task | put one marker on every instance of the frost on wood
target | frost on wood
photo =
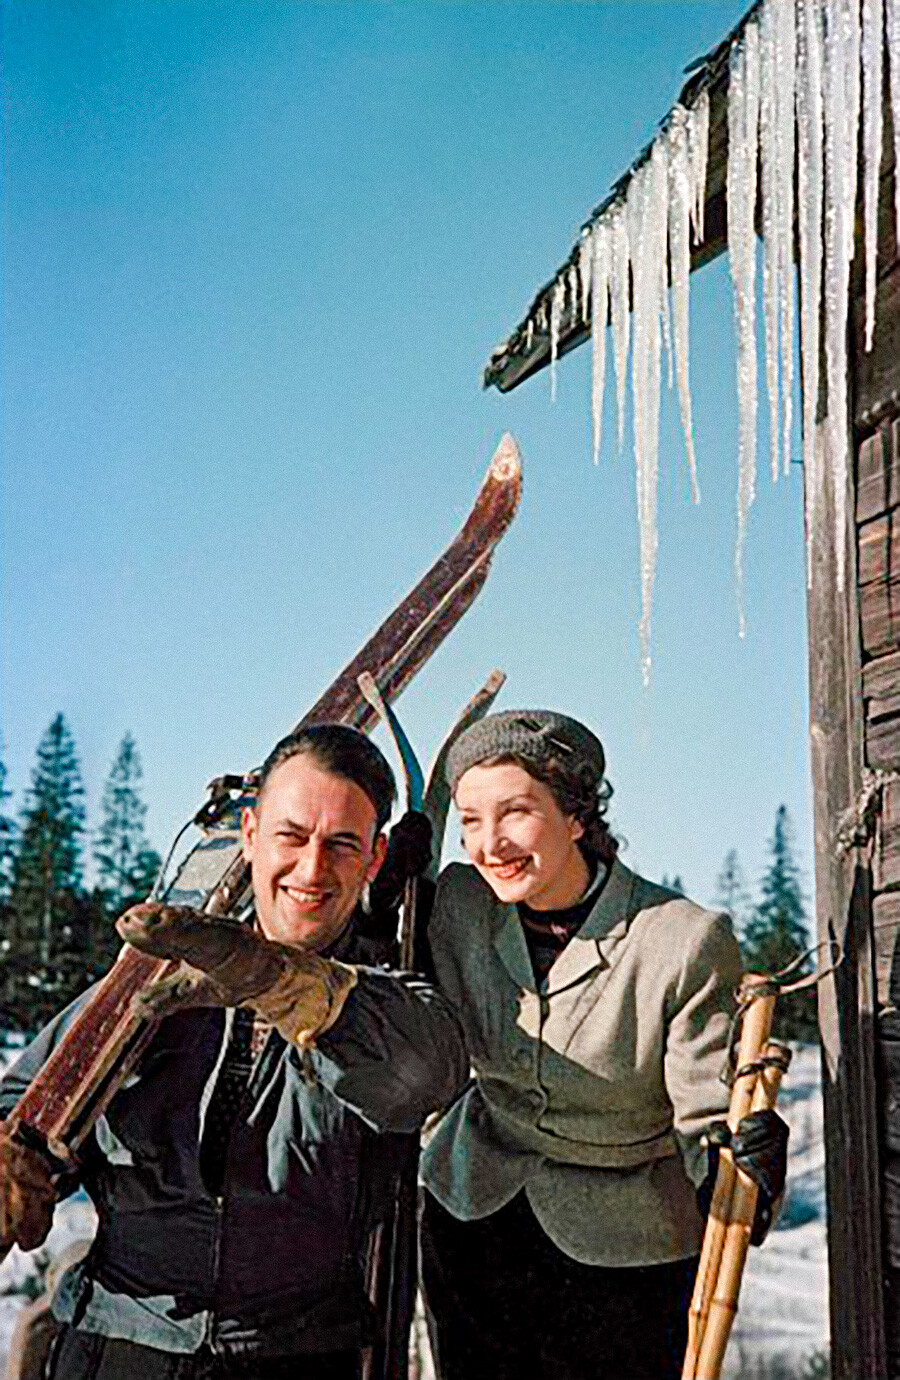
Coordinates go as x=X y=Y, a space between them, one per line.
x=599 y=312
x=743 y=142
x=810 y=183
x=872 y=60
x=682 y=204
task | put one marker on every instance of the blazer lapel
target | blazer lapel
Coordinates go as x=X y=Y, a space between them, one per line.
x=590 y=949
x=509 y=941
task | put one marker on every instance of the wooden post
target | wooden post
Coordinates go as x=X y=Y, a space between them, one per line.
x=847 y=998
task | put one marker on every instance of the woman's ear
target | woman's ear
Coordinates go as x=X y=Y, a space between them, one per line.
x=576 y=828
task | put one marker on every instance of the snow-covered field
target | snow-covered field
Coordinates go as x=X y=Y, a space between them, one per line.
x=782 y=1320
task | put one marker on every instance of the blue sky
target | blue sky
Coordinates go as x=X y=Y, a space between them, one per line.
x=256 y=257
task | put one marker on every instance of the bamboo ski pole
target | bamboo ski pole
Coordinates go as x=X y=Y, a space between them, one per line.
x=723 y=1306
x=755 y=1028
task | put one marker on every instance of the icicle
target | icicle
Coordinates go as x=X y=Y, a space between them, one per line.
x=557 y=303
x=584 y=269
x=785 y=87
x=698 y=152
x=574 y=294
x=809 y=217
x=743 y=139
x=892 y=11
x=599 y=312
x=872 y=59
x=619 y=258
x=647 y=233
x=681 y=208
x=841 y=105
x=768 y=135
x=529 y=333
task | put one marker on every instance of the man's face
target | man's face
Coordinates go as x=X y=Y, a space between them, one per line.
x=311 y=845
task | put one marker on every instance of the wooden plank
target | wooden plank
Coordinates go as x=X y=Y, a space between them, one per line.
x=886 y=855
x=878 y=544
x=878 y=470
x=883 y=742
x=886 y=928
x=881 y=677
x=879 y=610
x=847 y=997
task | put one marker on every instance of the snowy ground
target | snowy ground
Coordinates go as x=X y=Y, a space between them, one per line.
x=782 y=1320
x=783 y=1307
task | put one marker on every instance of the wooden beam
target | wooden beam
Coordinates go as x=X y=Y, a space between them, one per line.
x=517 y=359
x=847 y=997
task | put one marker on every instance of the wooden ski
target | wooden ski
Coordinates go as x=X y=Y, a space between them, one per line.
x=103 y=1043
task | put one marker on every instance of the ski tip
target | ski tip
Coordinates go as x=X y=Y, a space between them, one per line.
x=506 y=465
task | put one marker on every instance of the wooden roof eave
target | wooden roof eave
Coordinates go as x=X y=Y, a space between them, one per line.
x=518 y=358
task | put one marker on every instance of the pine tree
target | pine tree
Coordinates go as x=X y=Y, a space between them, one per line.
x=732 y=895
x=126 y=865
x=7 y=839
x=47 y=934
x=673 y=884
x=776 y=933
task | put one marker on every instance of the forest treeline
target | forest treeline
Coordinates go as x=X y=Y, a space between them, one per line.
x=57 y=934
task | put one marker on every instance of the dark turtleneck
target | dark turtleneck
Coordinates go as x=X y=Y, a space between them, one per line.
x=547 y=932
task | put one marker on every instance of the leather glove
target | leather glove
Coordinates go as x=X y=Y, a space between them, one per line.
x=225 y=963
x=408 y=855
x=759 y=1146
x=27 y=1195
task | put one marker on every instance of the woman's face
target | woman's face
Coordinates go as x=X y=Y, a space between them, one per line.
x=519 y=839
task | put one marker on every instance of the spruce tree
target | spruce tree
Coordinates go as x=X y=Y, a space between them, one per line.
x=776 y=933
x=126 y=864
x=7 y=840
x=731 y=891
x=47 y=934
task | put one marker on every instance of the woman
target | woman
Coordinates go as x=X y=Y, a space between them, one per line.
x=561 y=1226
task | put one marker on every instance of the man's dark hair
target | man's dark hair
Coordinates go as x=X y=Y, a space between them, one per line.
x=344 y=752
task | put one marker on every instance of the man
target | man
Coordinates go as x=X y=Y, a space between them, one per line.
x=238 y=1175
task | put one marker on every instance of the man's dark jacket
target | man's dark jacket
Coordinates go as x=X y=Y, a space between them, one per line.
x=273 y=1266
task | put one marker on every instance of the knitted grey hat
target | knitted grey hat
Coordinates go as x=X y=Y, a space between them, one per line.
x=538 y=735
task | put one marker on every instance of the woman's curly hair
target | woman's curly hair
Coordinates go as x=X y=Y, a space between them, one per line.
x=577 y=791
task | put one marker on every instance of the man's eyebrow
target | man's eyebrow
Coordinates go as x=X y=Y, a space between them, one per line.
x=339 y=834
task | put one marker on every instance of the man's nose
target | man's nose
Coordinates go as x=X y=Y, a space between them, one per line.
x=312 y=861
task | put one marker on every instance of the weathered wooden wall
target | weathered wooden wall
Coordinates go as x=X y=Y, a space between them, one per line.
x=875 y=395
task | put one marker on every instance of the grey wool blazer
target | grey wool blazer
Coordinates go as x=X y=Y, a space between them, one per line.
x=593 y=1094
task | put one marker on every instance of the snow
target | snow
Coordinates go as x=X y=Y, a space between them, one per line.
x=783 y=1305
x=743 y=144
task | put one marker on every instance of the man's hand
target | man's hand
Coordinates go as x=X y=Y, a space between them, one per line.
x=27 y=1195
x=225 y=963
